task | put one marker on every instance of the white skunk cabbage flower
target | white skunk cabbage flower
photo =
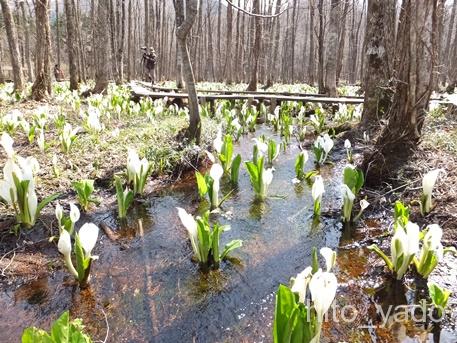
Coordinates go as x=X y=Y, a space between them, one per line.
x=59 y=213
x=5 y=194
x=191 y=226
x=216 y=173
x=329 y=256
x=364 y=204
x=276 y=111
x=404 y=246
x=267 y=178
x=217 y=143
x=323 y=287
x=428 y=183
x=236 y=124
x=314 y=120
x=263 y=147
x=32 y=202
x=74 y=213
x=29 y=166
x=93 y=119
x=432 y=250
x=133 y=164
x=300 y=283
x=348 y=202
x=7 y=143
x=115 y=133
x=432 y=240
x=88 y=235
x=41 y=141
x=64 y=246
x=327 y=143
x=347 y=193
x=318 y=188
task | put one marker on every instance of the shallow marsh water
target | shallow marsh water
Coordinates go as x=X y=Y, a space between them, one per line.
x=151 y=290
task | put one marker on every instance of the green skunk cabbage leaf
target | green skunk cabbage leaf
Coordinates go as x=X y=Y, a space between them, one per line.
x=63 y=331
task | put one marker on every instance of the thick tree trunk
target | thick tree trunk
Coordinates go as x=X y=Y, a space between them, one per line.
x=183 y=27
x=376 y=83
x=71 y=43
x=102 y=49
x=332 y=53
x=416 y=48
x=11 y=33
x=42 y=86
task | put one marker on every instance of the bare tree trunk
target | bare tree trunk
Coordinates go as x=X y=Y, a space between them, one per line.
x=102 y=49
x=447 y=50
x=416 y=47
x=342 y=41
x=2 y=75
x=81 y=49
x=183 y=27
x=146 y=23
x=332 y=54
x=320 y=68
x=28 y=59
x=11 y=33
x=255 y=49
x=441 y=54
x=275 y=33
x=293 y=40
x=453 y=67
x=120 y=48
x=210 y=43
x=129 y=42
x=228 y=46
x=42 y=86
x=71 y=43
x=112 y=37
x=376 y=84
x=311 y=61
x=57 y=33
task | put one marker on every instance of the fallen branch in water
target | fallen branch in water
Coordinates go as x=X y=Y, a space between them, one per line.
x=109 y=232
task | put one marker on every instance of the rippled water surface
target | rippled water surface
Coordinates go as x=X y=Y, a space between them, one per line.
x=151 y=290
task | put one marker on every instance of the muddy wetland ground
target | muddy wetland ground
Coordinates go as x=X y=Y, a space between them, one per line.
x=147 y=286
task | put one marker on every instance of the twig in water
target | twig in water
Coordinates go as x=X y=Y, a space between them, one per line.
x=107 y=326
x=9 y=264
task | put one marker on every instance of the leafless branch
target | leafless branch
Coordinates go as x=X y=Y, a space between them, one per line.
x=258 y=15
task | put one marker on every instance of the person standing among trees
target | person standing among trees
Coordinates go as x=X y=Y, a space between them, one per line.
x=149 y=61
